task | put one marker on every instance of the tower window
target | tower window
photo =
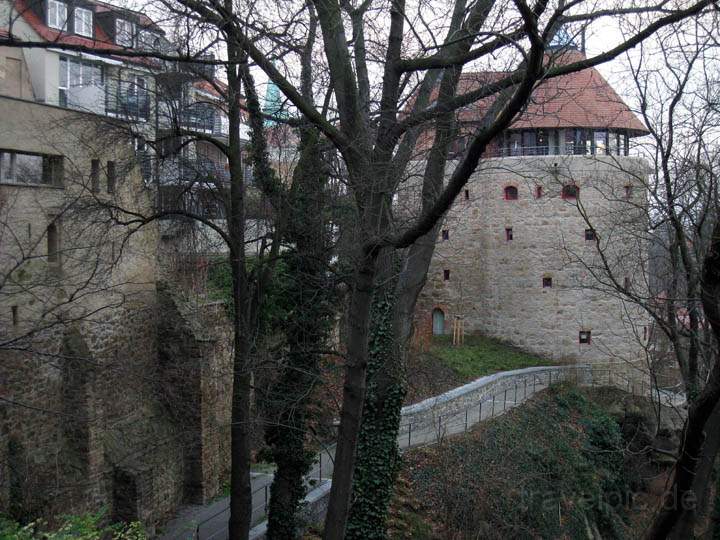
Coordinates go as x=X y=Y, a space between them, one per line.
x=628 y=191
x=467 y=194
x=53 y=244
x=627 y=283
x=111 y=177
x=508 y=234
x=445 y=234
x=95 y=175
x=590 y=235
x=570 y=192
x=547 y=282
x=511 y=193
x=584 y=336
x=14 y=310
x=538 y=192
x=446 y=274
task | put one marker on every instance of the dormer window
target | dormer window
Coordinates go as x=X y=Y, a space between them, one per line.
x=124 y=31
x=57 y=14
x=83 y=22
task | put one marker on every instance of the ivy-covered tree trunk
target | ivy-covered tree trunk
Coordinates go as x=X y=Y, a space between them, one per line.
x=378 y=459
x=306 y=330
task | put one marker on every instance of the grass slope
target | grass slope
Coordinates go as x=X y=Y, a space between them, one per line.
x=556 y=467
x=481 y=355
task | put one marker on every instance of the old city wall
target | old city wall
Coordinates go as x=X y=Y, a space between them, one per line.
x=88 y=417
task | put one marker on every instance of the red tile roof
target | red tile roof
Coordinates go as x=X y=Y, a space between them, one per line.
x=583 y=99
x=101 y=42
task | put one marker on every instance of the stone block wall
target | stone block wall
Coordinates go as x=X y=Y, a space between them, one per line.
x=496 y=285
x=89 y=416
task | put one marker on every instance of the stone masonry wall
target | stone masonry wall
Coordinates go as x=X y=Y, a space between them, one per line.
x=88 y=414
x=496 y=285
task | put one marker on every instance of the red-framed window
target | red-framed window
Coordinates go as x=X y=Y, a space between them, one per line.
x=511 y=193
x=570 y=192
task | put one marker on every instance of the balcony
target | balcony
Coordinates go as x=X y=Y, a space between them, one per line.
x=133 y=106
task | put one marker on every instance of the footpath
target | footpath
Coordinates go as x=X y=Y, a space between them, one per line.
x=427 y=422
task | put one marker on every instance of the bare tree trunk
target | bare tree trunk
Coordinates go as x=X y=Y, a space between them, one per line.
x=353 y=397
x=681 y=496
x=241 y=421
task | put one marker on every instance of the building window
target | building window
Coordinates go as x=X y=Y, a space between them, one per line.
x=600 y=142
x=53 y=244
x=538 y=192
x=626 y=283
x=467 y=194
x=584 y=336
x=77 y=74
x=445 y=234
x=628 y=191
x=570 y=192
x=590 y=235
x=124 y=31
x=14 y=310
x=547 y=282
x=511 y=193
x=111 y=179
x=83 y=22
x=95 y=175
x=57 y=14
x=446 y=275
x=21 y=168
x=508 y=234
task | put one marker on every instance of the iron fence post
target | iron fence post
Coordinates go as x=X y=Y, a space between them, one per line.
x=515 y=392
x=480 y=412
x=409 y=434
x=466 y=419
x=492 y=412
x=505 y=400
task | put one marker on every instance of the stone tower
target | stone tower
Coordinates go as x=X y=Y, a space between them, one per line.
x=553 y=214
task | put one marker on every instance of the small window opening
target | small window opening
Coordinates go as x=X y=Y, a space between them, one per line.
x=627 y=283
x=590 y=235
x=645 y=332
x=445 y=234
x=14 y=310
x=584 y=336
x=508 y=234
x=95 y=175
x=446 y=274
x=53 y=251
x=570 y=192
x=29 y=229
x=538 y=192
x=547 y=282
x=111 y=177
x=628 y=191
x=511 y=193
x=467 y=194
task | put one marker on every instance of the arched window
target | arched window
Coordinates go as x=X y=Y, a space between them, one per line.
x=438 y=322
x=570 y=192
x=511 y=193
